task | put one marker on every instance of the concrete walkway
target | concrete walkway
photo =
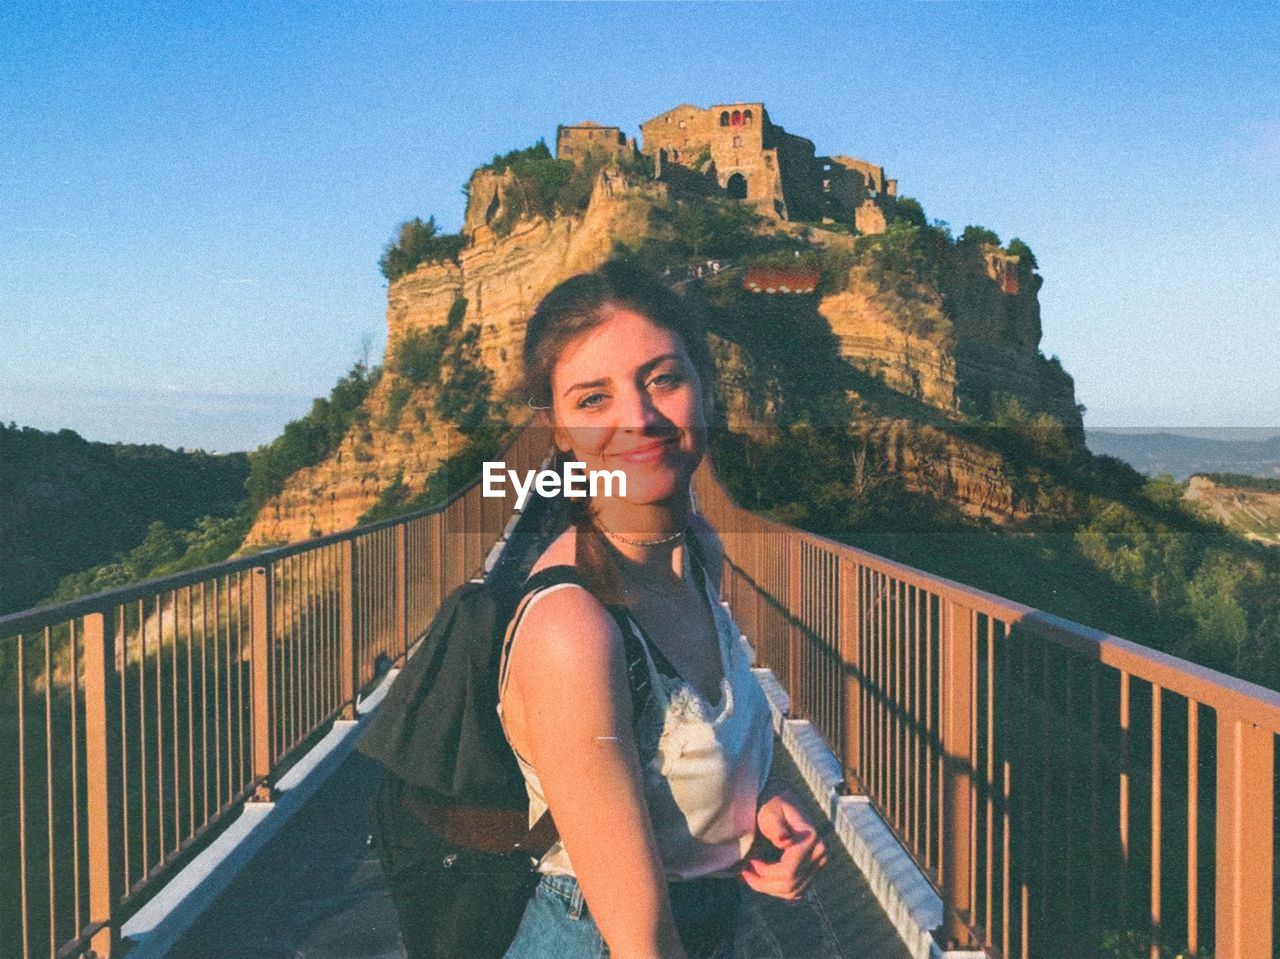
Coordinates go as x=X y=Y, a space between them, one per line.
x=316 y=892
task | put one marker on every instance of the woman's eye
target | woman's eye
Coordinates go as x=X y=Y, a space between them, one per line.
x=666 y=380
x=592 y=400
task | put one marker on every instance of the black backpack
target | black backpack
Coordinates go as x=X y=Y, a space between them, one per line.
x=450 y=818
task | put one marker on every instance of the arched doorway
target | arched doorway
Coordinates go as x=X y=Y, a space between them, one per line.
x=737 y=187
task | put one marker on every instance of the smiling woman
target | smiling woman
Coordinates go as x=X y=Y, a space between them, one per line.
x=625 y=694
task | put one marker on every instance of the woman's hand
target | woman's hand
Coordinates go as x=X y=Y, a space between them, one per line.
x=781 y=824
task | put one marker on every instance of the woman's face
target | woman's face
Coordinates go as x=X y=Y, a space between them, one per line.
x=625 y=396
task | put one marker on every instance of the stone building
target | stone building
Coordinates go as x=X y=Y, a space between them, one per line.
x=575 y=142
x=751 y=158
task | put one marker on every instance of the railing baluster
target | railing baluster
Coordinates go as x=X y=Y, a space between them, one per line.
x=262 y=586
x=1245 y=839
x=347 y=650
x=851 y=665
x=1193 y=826
x=104 y=890
x=1156 y=811
x=48 y=787
x=959 y=668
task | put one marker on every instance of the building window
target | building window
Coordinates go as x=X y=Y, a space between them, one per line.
x=724 y=118
x=737 y=187
x=737 y=141
x=568 y=149
x=746 y=117
x=681 y=124
x=736 y=118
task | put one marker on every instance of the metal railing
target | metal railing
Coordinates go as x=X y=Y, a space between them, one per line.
x=1068 y=793
x=136 y=721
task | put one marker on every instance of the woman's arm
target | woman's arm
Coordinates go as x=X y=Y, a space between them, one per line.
x=569 y=674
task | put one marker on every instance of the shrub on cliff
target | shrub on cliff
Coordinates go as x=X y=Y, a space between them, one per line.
x=543 y=186
x=1026 y=259
x=307 y=441
x=417 y=355
x=416 y=243
x=448 y=358
x=905 y=209
x=978 y=236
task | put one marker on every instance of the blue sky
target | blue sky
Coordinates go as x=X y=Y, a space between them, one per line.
x=193 y=197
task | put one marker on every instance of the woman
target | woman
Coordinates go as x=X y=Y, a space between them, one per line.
x=657 y=812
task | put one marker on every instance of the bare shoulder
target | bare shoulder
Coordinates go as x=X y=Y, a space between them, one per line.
x=565 y=639
x=712 y=548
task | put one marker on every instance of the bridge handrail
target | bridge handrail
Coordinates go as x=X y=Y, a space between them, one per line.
x=974 y=723
x=144 y=716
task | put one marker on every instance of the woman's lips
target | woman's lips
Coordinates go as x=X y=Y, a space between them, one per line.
x=648 y=453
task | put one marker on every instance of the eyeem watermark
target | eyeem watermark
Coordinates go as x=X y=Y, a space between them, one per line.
x=574 y=479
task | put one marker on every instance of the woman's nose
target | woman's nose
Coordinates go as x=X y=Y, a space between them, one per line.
x=637 y=411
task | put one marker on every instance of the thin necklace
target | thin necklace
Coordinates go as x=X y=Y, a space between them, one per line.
x=640 y=542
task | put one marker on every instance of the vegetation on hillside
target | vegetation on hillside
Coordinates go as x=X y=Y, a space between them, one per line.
x=1104 y=546
x=307 y=441
x=444 y=363
x=70 y=504
x=542 y=186
x=1243 y=481
x=417 y=242
x=164 y=551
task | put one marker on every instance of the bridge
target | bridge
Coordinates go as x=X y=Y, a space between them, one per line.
x=993 y=780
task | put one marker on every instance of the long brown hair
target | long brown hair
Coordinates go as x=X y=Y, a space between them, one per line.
x=571 y=309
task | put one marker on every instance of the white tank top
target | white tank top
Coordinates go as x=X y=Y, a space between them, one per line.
x=703 y=766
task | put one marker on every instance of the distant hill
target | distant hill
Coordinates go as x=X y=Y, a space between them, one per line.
x=68 y=504
x=1183 y=456
x=1244 y=504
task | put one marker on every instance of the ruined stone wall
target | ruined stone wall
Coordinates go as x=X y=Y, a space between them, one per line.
x=855 y=191
x=801 y=176
x=756 y=160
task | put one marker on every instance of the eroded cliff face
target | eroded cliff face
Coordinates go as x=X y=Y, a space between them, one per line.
x=501 y=278
x=1253 y=513
x=874 y=339
x=947 y=362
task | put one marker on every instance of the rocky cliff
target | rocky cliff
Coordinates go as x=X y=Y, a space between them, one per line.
x=945 y=360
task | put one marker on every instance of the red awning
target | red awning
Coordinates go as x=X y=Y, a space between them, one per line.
x=781 y=279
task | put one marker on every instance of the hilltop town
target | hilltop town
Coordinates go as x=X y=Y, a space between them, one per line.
x=948 y=328
x=750 y=157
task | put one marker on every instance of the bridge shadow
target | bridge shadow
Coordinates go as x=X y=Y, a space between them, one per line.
x=316 y=891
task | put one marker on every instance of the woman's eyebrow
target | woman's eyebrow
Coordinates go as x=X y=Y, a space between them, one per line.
x=657 y=361
x=589 y=385
x=643 y=370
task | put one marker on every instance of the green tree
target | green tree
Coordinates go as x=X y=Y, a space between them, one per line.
x=1026 y=259
x=417 y=242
